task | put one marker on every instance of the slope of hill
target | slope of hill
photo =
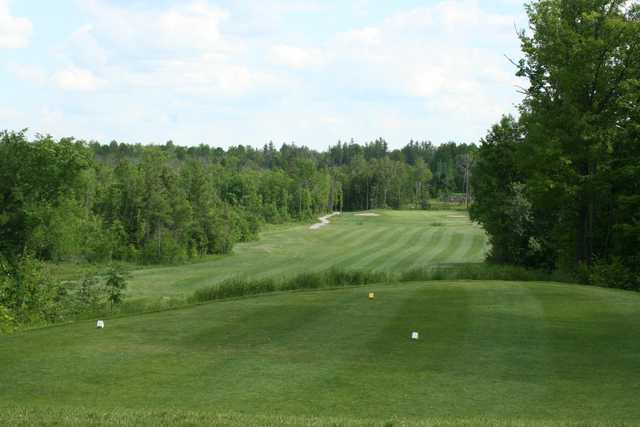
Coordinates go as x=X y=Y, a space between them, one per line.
x=489 y=352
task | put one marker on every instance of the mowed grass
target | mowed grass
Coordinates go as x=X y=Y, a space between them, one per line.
x=394 y=241
x=490 y=353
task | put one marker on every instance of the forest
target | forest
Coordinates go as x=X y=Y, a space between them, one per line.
x=558 y=187
x=68 y=200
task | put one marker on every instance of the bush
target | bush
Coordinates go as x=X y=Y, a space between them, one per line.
x=89 y=297
x=7 y=322
x=29 y=293
x=613 y=274
x=115 y=286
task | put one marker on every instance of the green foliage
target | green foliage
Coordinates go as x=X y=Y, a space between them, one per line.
x=613 y=274
x=30 y=294
x=557 y=189
x=67 y=200
x=116 y=285
x=34 y=177
x=91 y=295
x=7 y=322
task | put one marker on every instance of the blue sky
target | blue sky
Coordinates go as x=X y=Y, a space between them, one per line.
x=232 y=72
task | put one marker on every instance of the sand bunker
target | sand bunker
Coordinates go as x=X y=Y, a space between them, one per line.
x=367 y=214
x=324 y=220
x=458 y=216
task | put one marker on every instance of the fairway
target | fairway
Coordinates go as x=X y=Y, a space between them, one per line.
x=394 y=241
x=502 y=350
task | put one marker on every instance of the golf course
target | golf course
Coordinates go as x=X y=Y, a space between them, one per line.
x=320 y=213
x=385 y=240
x=489 y=352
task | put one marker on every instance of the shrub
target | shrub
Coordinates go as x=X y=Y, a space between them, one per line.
x=115 y=285
x=613 y=274
x=7 y=322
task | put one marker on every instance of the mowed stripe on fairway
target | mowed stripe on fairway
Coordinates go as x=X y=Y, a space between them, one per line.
x=437 y=245
x=410 y=257
x=417 y=242
x=476 y=252
x=461 y=248
x=392 y=241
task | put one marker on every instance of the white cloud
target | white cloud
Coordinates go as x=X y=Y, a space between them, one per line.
x=15 y=32
x=180 y=48
x=84 y=48
x=201 y=75
x=450 y=54
x=192 y=26
x=77 y=79
x=187 y=69
x=296 y=57
x=361 y=36
x=28 y=72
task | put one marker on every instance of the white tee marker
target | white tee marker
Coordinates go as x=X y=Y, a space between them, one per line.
x=100 y=324
x=415 y=335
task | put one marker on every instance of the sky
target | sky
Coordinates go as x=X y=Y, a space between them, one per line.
x=230 y=72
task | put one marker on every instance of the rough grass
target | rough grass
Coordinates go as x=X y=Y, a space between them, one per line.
x=240 y=287
x=491 y=353
x=481 y=272
x=335 y=278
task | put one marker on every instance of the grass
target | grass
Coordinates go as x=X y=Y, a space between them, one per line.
x=491 y=353
x=395 y=241
x=85 y=417
x=334 y=278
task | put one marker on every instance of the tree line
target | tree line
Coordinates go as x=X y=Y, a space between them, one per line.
x=85 y=202
x=72 y=200
x=559 y=187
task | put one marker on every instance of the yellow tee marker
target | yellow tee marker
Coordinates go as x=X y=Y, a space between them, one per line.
x=372 y=295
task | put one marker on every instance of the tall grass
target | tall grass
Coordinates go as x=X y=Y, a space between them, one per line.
x=482 y=272
x=239 y=287
x=334 y=278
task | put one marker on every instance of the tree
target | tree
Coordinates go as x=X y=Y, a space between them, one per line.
x=421 y=179
x=116 y=286
x=580 y=58
x=33 y=174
